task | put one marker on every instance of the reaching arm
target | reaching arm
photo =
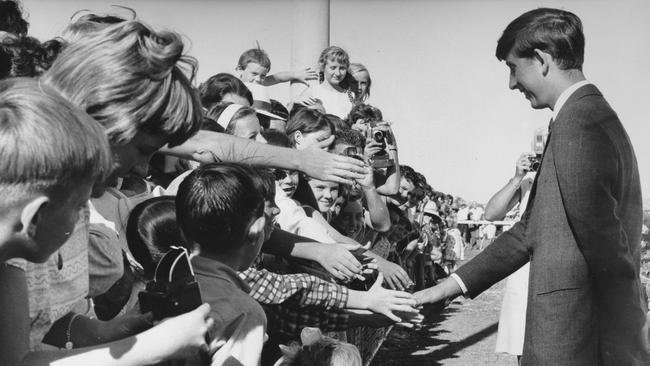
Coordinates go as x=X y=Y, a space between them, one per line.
x=208 y=147
x=508 y=196
x=301 y=76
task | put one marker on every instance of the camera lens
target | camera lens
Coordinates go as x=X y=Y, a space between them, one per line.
x=534 y=166
x=378 y=136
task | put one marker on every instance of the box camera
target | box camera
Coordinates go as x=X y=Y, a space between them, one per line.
x=380 y=159
x=535 y=162
x=174 y=290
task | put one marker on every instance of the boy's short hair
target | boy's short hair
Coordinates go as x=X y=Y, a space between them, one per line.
x=215 y=205
x=255 y=55
x=276 y=138
x=131 y=78
x=47 y=144
x=11 y=18
x=557 y=32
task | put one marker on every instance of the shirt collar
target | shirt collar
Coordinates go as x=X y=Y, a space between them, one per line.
x=565 y=95
x=213 y=268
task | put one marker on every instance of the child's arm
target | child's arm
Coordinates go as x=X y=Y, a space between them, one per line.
x=377 y=216
x=179 y=334
x=273 y=288
x=301 y=76
x=336 y=259
x=208 y=147
x=383 y=301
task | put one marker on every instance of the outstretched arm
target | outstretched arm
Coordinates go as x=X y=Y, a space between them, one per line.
x=208 y=147
x=301 y=76
x=508 y=196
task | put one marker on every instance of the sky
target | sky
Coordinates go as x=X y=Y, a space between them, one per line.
x=434 y=73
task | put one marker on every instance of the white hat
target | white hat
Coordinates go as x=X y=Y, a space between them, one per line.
x=431 y=208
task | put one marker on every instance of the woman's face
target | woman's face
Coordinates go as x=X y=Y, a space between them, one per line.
x=350 y=221
x=307 y=140
x=249 y=127
x=136 y=152
x=286 y=182
x=334 y=72
x=325 y=193
x=363 y=80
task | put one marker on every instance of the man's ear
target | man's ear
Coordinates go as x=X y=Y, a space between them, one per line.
x=256 y=230
x=30 y=215
x=545 y=59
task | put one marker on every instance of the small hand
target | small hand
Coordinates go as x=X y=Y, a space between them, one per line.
x=330 y=167
x=339 y=262
x=384 y=301
x=305 y=75
x=523 y=165
x=184 y=334
x=372 y=148
x=395 y=276
x=368 y=180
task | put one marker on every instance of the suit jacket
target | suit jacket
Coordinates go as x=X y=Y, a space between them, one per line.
x=581 y=232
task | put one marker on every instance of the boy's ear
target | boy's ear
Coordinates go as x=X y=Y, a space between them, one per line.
x=257 y=229
x=297 y=136
x=30 y=215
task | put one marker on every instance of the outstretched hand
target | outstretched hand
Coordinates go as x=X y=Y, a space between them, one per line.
x=305 y=75
x=338 y=261
x=395 y=276
x=317 y=163
x=387 y=302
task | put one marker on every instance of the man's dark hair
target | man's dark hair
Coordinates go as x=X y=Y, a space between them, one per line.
x=350 y=137
x=217 y=86
x=554 y=31
x=216 y=203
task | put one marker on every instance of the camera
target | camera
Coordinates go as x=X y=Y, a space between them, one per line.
x=380 y=159
x=174 y=290
x=535 y=162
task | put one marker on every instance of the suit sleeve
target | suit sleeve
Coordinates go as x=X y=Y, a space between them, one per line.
x=498 y=260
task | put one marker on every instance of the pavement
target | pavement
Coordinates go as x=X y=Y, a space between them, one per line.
x=462 y=334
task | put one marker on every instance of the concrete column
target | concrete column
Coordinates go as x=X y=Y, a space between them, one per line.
x=310 y=35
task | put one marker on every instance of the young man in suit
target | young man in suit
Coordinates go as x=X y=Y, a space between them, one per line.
x=581 y=229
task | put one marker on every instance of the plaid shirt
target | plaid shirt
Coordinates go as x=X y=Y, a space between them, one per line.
x=273 y=288
x=289 y=318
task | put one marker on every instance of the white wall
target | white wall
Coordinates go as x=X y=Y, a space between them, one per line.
x=433 y=69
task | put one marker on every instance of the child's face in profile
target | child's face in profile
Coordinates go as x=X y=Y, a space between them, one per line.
x=249 y=127
x=334 y=72
x=57 y=220
x=253 y=73
x=286 y=182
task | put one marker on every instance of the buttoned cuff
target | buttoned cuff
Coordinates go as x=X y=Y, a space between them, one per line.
x=460 y=282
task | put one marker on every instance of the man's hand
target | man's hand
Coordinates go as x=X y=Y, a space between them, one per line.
x=338 y=261
x=447 y=289
x=319 y=164
x=395 y=276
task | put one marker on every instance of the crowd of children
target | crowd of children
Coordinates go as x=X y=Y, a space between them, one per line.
x=294 y=217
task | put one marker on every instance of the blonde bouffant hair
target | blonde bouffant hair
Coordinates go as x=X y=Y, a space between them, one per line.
x=131 y=78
